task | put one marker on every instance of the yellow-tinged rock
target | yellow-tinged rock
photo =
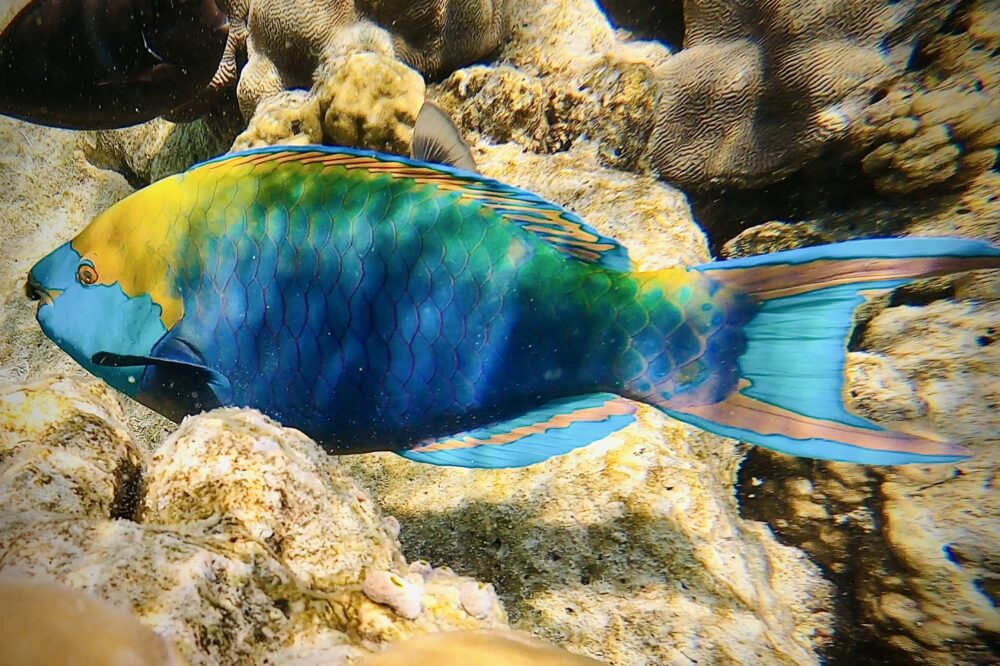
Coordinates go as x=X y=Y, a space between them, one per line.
x=369 y=100
x=482 y=647
x=63 y=448
x=43 y=623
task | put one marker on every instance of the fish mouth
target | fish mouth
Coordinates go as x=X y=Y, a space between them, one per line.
x=36 y=292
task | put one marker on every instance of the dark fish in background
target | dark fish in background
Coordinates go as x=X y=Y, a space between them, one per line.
x=93 y=64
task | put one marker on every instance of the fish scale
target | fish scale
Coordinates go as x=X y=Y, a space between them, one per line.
x=376 y=302
x=371 y=300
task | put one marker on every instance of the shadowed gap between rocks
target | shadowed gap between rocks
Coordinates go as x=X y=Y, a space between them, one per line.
x=476 y=530
x=662 y=20
x=846 y=194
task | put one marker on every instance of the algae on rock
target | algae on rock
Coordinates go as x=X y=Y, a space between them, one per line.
x=242 y=543
x=630 y=550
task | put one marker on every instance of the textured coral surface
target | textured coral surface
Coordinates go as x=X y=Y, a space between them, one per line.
x=760 y=87
x=939 y=126
x=913 y=547
x=237 y=540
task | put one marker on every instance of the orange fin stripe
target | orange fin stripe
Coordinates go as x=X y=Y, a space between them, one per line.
x=741 y=411
x=611 y=408
x=571 y=233
x=779 y=280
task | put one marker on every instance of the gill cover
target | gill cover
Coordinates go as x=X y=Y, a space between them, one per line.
x=86 y=319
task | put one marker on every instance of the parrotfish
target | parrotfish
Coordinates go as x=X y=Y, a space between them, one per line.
x=377 y=302
x=90 y=64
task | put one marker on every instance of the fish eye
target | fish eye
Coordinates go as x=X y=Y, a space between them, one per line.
x=86 y=273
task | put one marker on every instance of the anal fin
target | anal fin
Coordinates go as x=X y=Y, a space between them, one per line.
x=553 y=429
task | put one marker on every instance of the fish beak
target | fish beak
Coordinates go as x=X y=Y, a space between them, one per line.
x=37 y=292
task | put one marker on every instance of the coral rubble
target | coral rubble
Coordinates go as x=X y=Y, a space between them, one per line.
x=235 y=540
x=939 y=126
x=287 y=42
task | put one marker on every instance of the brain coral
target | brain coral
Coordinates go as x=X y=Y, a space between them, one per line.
x=287 y=40
x=761 y=86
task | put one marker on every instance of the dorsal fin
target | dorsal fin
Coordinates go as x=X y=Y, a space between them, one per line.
x=436 y=139
x=555 y=225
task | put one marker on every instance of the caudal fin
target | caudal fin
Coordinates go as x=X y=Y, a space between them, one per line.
x=792 y=370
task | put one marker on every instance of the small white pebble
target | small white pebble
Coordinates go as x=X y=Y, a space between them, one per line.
x=477 y=598
x=400 y=594
x=421 y=567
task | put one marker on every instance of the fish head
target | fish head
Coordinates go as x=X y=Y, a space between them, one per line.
x=107 y=291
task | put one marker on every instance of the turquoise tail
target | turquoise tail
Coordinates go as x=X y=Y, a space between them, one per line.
x=790 y=393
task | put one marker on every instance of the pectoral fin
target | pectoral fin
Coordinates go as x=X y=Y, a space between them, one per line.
x=176 y=381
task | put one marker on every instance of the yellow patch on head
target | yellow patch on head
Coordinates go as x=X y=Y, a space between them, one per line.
x=134 y=243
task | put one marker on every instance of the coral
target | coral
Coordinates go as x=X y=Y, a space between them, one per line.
x=880 y=390
x=289 y=44
x=43 y=623
x=276 y=486
x=499 y=104
x=370 y=101
x=82 y=467
x=154 y=150
x=241 y=541
x=773 y=237
x=287 y=117
x=939 y=126
x=760 y=88
x=561 y=76
x=367 y=100
x=942 y=137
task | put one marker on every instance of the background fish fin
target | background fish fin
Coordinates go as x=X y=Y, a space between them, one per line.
x=550 y=430
x=555 y=225
x=436 y=139
x=790 y=396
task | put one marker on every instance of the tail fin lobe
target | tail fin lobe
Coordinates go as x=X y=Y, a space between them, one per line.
x=790 y=396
